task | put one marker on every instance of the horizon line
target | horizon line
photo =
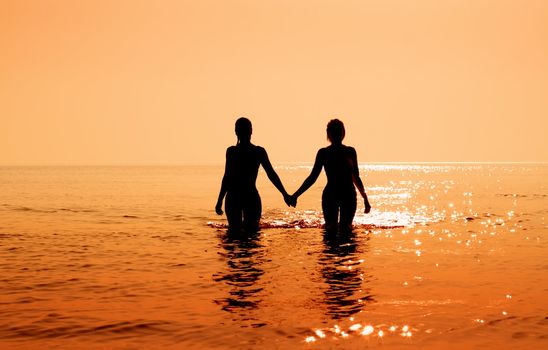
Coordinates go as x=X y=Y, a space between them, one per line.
x=129 y=164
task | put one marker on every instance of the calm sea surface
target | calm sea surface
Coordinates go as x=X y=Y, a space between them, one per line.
x=452 y=256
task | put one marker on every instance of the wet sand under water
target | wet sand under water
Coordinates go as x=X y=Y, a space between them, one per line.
x=452 y=256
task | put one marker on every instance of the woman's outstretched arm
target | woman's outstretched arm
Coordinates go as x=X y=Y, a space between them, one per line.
x=358 y=181
x=224 y=185
x=309 y=181
x=274 y=178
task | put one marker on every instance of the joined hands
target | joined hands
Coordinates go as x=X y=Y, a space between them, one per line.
x=290 y=200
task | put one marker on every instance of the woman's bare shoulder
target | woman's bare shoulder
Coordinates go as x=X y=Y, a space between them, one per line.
x=351 y=149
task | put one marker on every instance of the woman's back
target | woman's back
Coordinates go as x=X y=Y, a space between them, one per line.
x=338 y=165
x=243 y=161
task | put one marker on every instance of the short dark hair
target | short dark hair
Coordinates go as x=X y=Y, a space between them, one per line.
x=335 y=131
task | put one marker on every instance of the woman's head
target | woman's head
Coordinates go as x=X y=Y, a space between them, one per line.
x=243 y=129
x=335 y=131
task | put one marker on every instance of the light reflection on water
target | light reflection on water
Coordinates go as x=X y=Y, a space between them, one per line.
x=344 y=274
x=244 y=256
x=427 y=219
x=451 y=254
x=314 y=219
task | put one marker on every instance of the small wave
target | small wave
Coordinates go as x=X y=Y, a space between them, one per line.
x=34 y=210
x=10 y=235
x=301 y=224
x=311 y=219
x=43 y=329
x=518 y=195
x=130 y=217
x=166 y=238
x=23 y=300
x=47 y=210
x=177 y=265
x=78 y=210
x=177 y=217
x=22 y=208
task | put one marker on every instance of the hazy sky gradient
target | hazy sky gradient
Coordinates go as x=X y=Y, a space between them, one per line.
x=108 y=82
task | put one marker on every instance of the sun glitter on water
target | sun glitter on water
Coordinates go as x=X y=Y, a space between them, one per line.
x=355 y=330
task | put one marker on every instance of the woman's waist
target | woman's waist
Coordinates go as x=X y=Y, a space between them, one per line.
x=340 y=187
x=242 y=191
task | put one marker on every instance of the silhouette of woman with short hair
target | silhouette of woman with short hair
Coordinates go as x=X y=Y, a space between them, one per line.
x=243 y=203
x=341 y=167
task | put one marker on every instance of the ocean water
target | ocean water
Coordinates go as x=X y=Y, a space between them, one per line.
x=452 y=255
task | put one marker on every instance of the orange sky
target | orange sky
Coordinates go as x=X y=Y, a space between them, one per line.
x=123 y=82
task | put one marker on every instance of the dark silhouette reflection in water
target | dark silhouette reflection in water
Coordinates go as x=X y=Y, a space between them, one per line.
x=244 y=256
x=342 y=271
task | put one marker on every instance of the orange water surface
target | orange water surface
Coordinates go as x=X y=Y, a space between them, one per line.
x=452 y=256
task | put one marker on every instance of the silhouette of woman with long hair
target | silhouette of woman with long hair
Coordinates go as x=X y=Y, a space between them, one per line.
x=341 y=167
x=243 y=203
